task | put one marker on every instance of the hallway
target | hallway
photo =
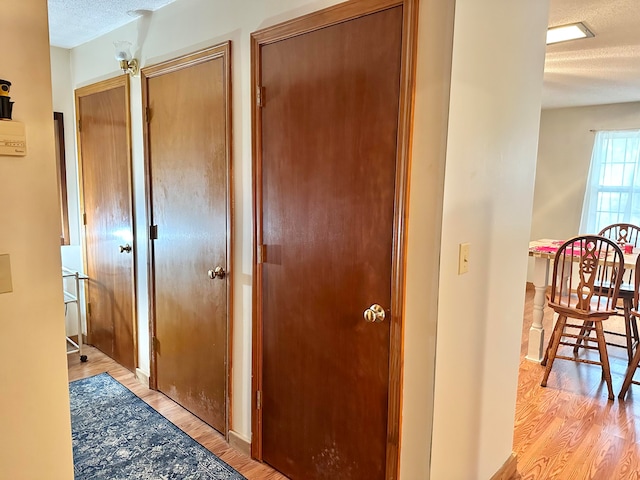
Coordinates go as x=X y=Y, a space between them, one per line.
x=190 y=424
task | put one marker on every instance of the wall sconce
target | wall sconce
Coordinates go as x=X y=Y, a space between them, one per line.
x=128 y=64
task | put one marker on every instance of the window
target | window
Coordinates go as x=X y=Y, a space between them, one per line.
x=613 y=187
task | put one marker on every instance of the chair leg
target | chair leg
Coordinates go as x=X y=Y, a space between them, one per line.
x=628 y=328
x=585 y=328
x=546 y=350
x=553 y=348
x=628 y=378
x=634 y=330
x=604 y=358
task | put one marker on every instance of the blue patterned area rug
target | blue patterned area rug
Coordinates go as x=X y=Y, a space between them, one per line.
x=118 y=436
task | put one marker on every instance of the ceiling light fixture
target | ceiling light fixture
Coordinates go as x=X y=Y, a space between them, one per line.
x=564 y=33
x=128 y=64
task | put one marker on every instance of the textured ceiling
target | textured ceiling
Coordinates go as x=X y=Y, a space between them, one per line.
x=599 y=70
x=74 y=22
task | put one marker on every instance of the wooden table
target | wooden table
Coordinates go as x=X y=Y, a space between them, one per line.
x=544 y=251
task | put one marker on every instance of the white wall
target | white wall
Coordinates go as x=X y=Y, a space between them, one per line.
x=62 y=97
x=433 y=71
x=63 y=101
x=35 y=438
x=564 y=155
x=498 y=57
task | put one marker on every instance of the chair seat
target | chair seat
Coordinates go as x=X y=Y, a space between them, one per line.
x=568 y=306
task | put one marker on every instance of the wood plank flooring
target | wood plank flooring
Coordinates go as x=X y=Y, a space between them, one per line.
x=190 y=424
x=570 y=430
x=566 y=431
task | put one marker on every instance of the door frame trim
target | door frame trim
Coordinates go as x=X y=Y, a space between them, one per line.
x=308 y=23
x=115 y=82
x=222 y=50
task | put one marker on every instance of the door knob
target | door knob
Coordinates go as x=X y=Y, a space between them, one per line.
x=217 y=272
x=374 y=314
x=125 y=248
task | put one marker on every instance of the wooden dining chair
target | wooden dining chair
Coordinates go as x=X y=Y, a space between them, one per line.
x=635 y=313
x=580 y=265
x=623 y=234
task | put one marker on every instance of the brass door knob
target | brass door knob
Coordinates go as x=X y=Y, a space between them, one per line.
x=374 y=314
x=125 y=248
x=217 y=272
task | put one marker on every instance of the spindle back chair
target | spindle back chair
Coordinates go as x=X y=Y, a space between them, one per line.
x=625 y=235
x=581 y=265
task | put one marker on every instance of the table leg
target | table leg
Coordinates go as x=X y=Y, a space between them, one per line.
x=536 y=332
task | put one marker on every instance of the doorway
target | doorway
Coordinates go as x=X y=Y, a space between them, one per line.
x=188 y=140
x=104 y=146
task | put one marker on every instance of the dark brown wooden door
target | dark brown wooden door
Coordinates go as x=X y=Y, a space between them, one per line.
x=106 y=185
x=188 y=147
x=327 y=179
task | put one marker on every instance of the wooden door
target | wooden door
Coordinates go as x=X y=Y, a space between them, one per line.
x=189 y=165
x=104 y=146
x=326 y=181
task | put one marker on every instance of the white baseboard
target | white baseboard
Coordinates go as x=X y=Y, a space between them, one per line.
x=142 y=377
x=240 y=443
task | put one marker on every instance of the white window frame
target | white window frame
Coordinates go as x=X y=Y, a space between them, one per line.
x=614 y=172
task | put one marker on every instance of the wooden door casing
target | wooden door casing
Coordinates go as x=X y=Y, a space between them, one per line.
x=304 y=239
x=189 y=175
x=105 y=165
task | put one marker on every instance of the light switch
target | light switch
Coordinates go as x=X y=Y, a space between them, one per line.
x=5 y=274
x=463 y=258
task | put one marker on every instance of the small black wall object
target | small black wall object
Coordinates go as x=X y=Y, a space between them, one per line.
x=6 y=105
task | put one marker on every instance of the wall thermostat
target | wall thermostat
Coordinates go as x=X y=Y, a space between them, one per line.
x=13 y=140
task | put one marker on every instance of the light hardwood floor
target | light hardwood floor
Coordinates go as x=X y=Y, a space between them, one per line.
x=566 y=431
x=190 y=424
x=570 y=430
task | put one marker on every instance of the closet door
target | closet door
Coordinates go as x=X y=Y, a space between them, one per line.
x=326 y=182
x=105 y=162
x=188 y=138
